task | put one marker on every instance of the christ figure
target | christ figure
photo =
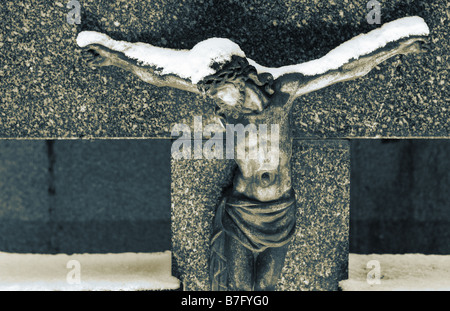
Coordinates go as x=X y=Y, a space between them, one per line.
x=255 y=220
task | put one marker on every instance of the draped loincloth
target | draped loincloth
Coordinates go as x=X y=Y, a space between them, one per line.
x=256 y=225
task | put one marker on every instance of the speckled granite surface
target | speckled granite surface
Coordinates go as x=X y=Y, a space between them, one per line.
x=197 y=186
x=318 y=256
x=46 y=89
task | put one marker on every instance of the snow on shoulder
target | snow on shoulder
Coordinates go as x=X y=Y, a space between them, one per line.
x=354 y=48
x=194 y=64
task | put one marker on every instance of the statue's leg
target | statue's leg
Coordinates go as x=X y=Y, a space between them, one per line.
x=240 y=265
x=269 y=264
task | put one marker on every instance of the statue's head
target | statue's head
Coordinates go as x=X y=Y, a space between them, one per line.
x=237 y=88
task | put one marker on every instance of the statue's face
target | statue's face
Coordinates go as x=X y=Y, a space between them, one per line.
x=253 y=100
x=229 y=95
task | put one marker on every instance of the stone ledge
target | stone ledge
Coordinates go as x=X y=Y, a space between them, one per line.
x=104 y=272
x=414 y=272
x=139 y=271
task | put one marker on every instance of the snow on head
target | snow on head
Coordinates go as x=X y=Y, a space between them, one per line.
x=353 y=49
x=194 y=64
x=214 y=50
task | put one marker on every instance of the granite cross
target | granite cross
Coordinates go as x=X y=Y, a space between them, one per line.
x=259 y=232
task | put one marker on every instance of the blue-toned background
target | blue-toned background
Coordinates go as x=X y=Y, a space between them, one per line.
x=84 y=196
x=76 y=196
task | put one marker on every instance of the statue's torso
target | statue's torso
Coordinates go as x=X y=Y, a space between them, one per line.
x=272 y=180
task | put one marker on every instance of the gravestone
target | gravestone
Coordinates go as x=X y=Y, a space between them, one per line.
x=49 y=92
x=318 y=256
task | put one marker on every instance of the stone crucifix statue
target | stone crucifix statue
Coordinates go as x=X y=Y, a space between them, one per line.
x=255 y=221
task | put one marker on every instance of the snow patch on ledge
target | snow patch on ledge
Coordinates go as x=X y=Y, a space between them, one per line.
x=406 y=272
x=152 y=271
x=354 y=48
x=124 y=271
x=194 y=64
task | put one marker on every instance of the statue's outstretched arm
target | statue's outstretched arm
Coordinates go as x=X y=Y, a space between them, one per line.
x=100 y=56
x=100 y=50
x=354 y=58
x=181 y=69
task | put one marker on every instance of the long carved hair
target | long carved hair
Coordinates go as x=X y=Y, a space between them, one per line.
x=237 y=72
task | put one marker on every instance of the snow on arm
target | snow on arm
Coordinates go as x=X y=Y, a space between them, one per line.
x=354 y=48
x=194 y=64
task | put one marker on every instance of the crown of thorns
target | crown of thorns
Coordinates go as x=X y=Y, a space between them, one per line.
x=237 y=71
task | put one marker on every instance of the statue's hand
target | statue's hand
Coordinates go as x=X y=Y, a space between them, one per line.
x=98 y=56
x=414 y=45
